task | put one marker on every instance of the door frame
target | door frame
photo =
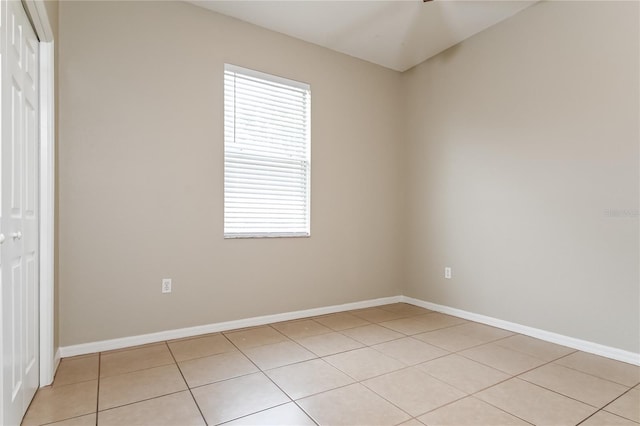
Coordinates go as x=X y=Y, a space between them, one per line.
x=42 y=25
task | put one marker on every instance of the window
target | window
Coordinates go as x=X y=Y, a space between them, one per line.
x=266 y=155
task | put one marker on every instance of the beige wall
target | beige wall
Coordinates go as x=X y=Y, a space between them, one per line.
x=52 y=7
x=141 y=174
x=519 y=140
x=498 y=158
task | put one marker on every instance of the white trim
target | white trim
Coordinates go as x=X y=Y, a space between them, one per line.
x=42 y=26
x=124 y=342
x=268 y=77
x=571 y=342
x=47 y=205
x=56 y=361
x=40 y=19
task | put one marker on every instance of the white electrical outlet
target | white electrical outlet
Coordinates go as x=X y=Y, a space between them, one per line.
x=447 y=273
x=166 y=285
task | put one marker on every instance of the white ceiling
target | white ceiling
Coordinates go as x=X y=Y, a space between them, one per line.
x=396 y=34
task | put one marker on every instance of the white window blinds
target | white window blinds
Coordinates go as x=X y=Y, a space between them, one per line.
x=266 y=155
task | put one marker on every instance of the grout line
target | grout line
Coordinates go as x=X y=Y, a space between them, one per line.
x=186 y=383
x=517 y=376
x=474 y=393
x=615 y=399
x=141 y=400
x=272 y=381
x=501 y=409
x=361 y=382
x=588 y=417
x=256 y=412
x=391 y=402
x=55 y=422
x=199 y=358
x=137 y=370
x=355 y=381
x=98 y=385
x=593 y=375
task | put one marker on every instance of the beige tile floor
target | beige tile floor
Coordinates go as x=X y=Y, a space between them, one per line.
x=391 y=365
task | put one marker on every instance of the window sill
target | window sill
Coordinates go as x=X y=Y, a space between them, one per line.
x=232 y=236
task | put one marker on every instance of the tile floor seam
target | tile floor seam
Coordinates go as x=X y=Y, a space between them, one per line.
x=284 y=365
x=378 y=322
x=239 y=330
x=302 y=337
x=212 y=356
x=223 y=380
x=237 y=349
x=98 y=387
x=270 y=325
x=137 y=370
x=469 y=347
x=250 y=414
x=558 y=393
x=186 y=383
x=287 y=365
x=568 y=396
x=588 y=417
x=527 y=353
x=355 y=381
x=74 y=383
x=333 y=353
x=502 y=371
x=502 y=409
x=417 y=340
x=445 y=327
x=271 y=380
x=489 y=387
x=323 y=391
x=348 y=328
x=421 y=414
x=598 y=377
x=603 y=408
x=199 y=357
x=69 y=418
x=510 y=376
x=598 y=407
x=481 y=400
x=618 y=415
x=293 y=363
x=372 y=377
x=475 y=346
x=295 y=401
x=305 y=412
x=386 y=341
x=141 y=400
x=366 y=387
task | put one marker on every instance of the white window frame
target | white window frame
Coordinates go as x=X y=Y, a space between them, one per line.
x=266 y=233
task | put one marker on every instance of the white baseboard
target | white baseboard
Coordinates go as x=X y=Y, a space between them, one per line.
x=583 y=345
x=124 y=342
x=571 y=342
x=56 y=361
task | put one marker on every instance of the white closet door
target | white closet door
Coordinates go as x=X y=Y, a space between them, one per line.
x=19 y=212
